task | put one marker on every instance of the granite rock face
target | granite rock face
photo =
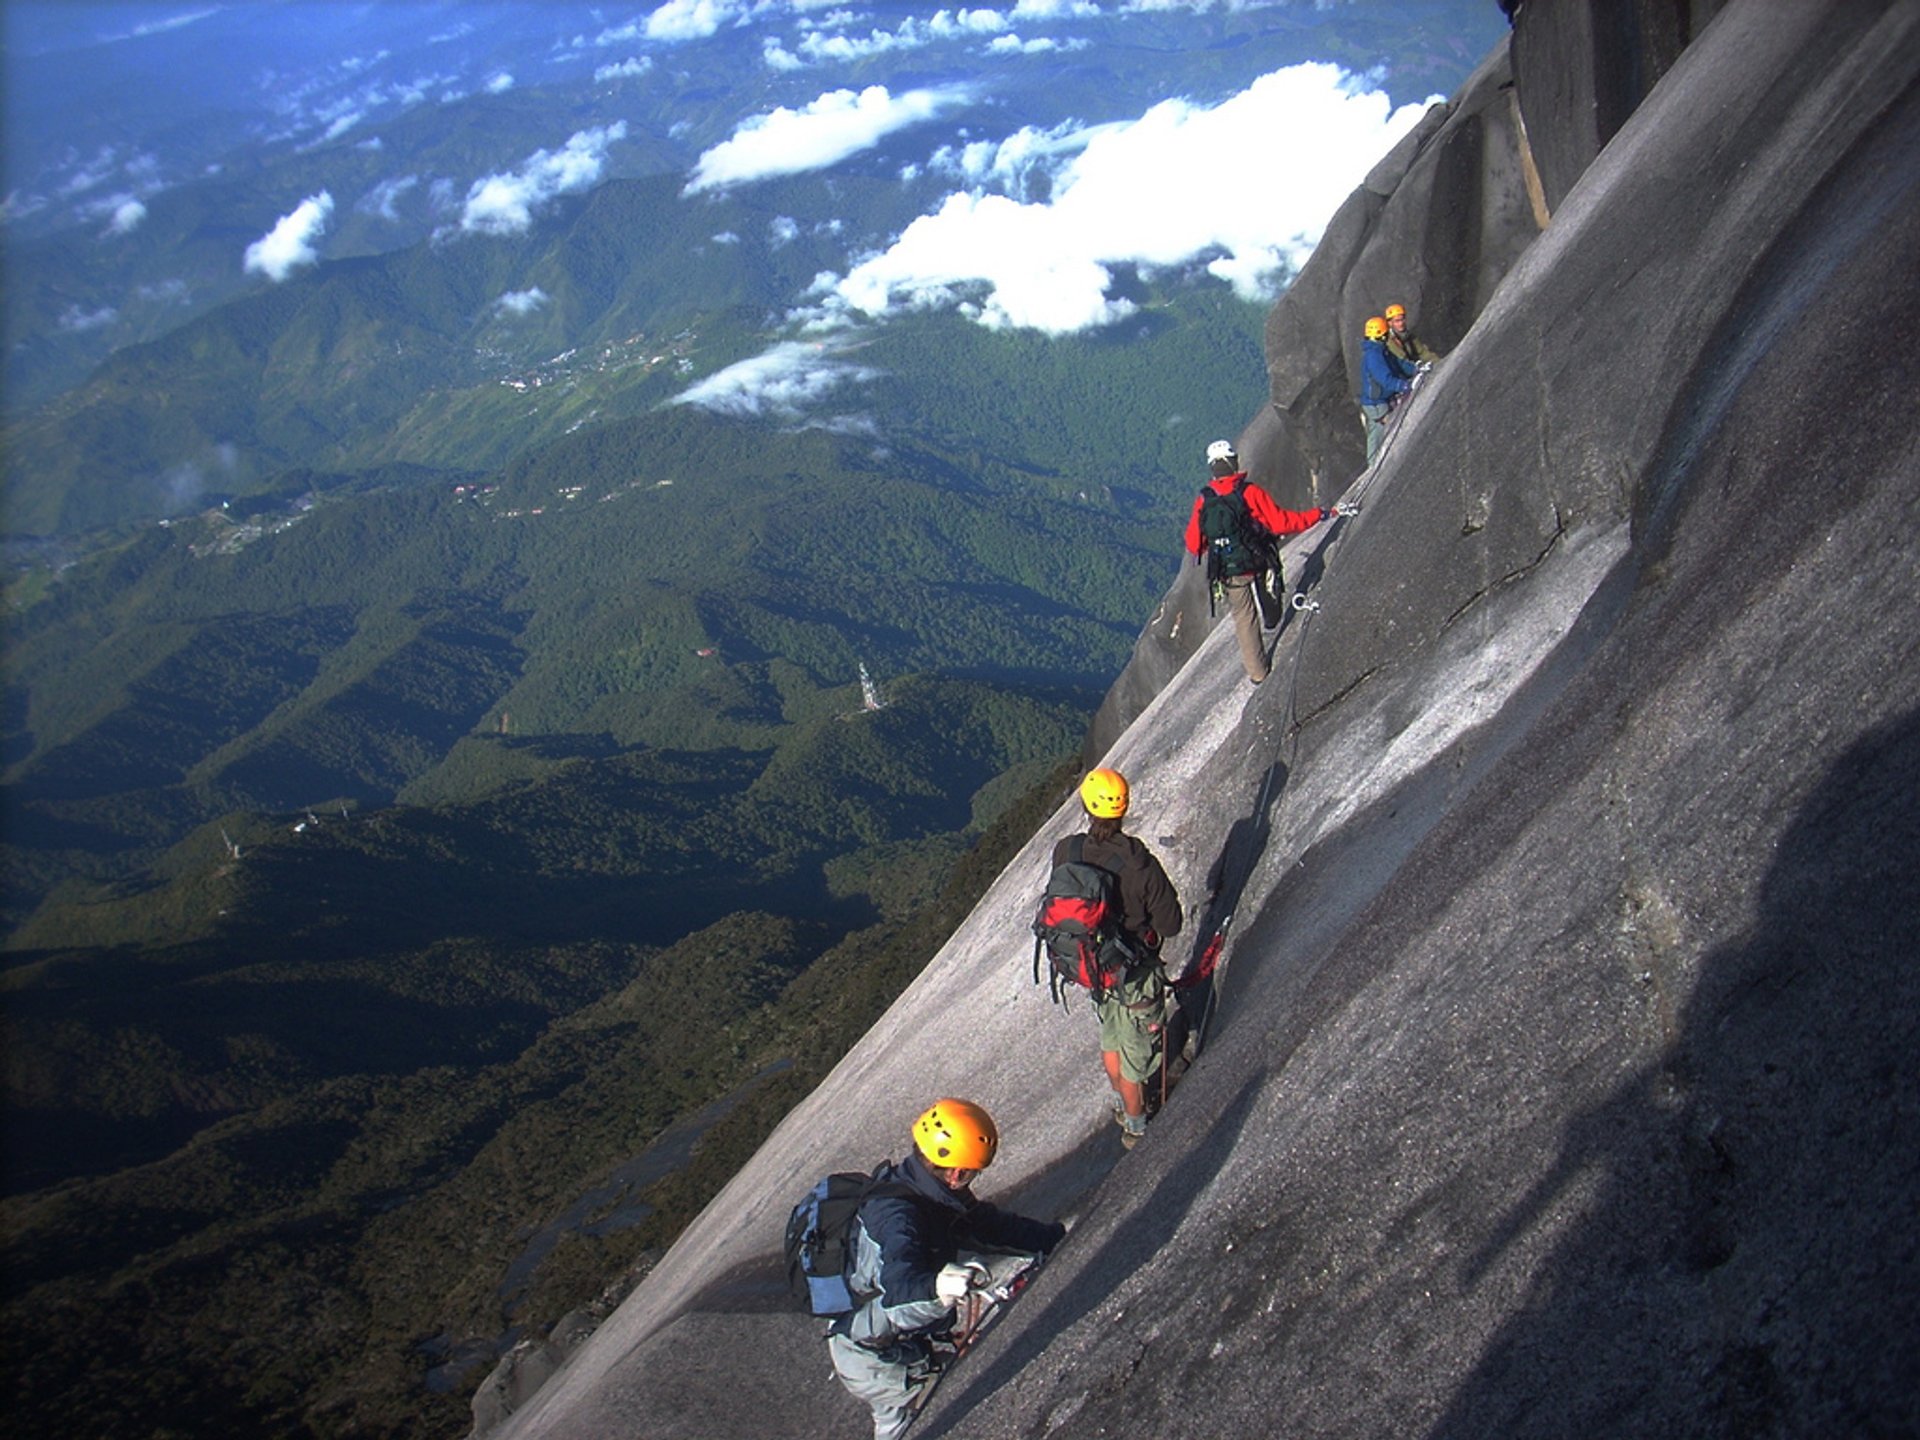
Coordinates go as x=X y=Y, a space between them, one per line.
x=1563 y=1080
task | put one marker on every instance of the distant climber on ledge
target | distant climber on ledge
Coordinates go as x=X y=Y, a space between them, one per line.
x=1381 y=379
x=1403 y=345
x=1233 y=529
x=905 y=1258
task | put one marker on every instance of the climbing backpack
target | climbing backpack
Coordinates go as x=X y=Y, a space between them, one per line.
x=1232 y=541
x=818 y=1255
x=1079 y=926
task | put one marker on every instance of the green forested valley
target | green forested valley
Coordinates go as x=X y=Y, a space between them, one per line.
x=439 y=852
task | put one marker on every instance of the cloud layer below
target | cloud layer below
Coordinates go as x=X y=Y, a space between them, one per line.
x=504 y=204
x=821 y=133
x=1178 y=186
x=783 y=384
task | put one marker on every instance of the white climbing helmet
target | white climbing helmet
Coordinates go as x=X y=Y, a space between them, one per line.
x=1222 y=450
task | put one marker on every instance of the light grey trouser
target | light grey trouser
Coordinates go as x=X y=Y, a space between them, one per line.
x=1374 y=417
x=886 y=1387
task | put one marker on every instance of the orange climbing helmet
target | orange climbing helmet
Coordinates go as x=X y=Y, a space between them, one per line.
x=956 y=1135
x=1396 y=312
x=1104 y=793
x=1376 y=329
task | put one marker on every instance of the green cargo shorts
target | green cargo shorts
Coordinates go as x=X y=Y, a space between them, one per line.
x=1131 y=1020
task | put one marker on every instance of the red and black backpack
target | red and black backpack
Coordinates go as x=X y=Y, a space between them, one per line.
x=1079 y=926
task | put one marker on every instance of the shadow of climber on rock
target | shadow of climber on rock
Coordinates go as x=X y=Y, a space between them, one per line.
x=1197 y=987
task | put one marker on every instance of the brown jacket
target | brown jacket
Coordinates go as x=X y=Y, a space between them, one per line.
x=1147 y=896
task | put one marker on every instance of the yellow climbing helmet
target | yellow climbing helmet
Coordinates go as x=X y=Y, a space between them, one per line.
x=1104 y=793
x=1376 y=329
x=956 y=1135
x=1396 y=312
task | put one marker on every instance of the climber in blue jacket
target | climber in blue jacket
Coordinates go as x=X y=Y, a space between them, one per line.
x=1381 y=378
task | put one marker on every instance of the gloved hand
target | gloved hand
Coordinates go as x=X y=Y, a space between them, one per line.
x=1347 y=507
x=956 y=1279
x=1423 y=367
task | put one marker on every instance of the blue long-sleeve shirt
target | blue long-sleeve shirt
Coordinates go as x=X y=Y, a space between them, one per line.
x=1380 y=377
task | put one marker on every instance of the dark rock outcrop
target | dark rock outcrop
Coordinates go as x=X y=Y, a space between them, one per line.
x=1584 y=66
x=1563 y=1081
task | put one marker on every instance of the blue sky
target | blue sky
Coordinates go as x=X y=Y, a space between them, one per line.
x=1046 y=149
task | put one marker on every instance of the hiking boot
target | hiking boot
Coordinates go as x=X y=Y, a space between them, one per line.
x=1133 y=1129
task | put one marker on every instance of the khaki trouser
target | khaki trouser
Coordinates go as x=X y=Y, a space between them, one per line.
x=1246 y=625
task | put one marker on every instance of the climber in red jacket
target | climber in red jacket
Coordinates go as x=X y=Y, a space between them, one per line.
x=1233 y=528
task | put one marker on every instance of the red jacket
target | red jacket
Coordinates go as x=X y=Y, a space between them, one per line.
x=1259 y=505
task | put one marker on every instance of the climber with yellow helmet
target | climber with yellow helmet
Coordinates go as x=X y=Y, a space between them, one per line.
x=1132 y=1009
x=1381 y=379
x=1408 y=349
x=911 y=1251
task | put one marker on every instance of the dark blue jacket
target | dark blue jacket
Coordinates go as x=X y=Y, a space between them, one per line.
x=902 y=1241
x=1381 y=377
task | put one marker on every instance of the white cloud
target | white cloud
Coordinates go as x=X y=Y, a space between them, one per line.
x=167 y=292
x=522 y=302
x=504 y=204
x=626 y=69
x=76 y=320
x=1055 y=10
x=1040 y=45
x=782 y=230
x=725 y=237
x=93 y=173
x=825 y=131
x=827 y=42
x=967 y=22
x=383 y=199
x=290 y=243
x=1234 y=5
x=499 y=84
x=783 y=383
x=160 y=27
x=127 y=216
x=1174 y=187
x=693 y=19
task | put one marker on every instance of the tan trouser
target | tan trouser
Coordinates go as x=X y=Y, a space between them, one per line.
x=1246 y=626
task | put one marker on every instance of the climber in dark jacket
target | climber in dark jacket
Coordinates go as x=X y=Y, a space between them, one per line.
x=1133 y=1013
x=909 y=1255
x=1381 y=379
